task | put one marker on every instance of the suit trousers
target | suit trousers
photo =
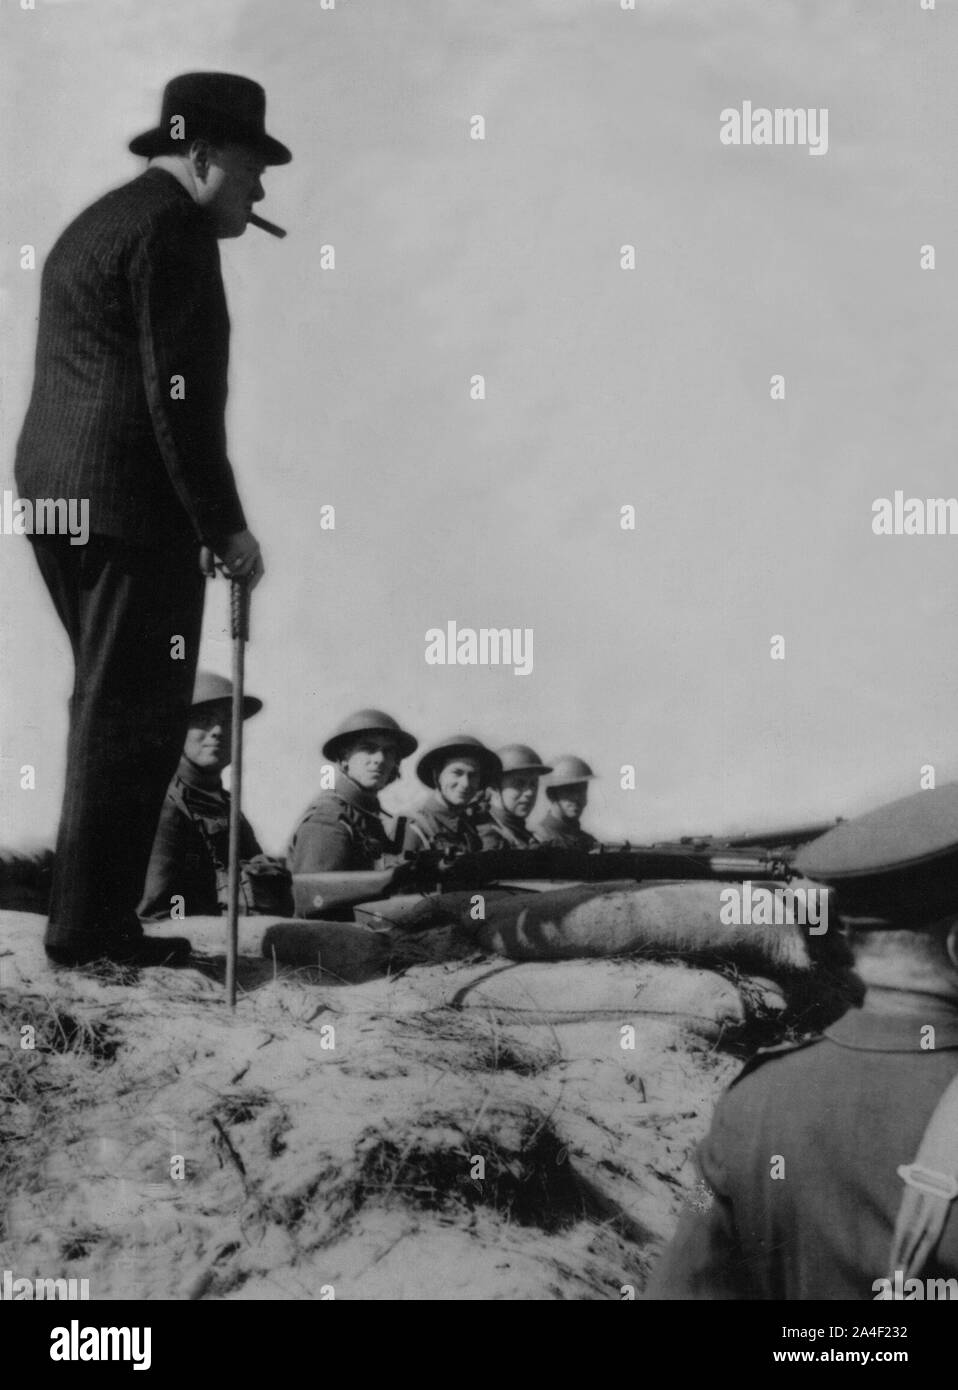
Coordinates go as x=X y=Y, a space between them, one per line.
x=122 y=606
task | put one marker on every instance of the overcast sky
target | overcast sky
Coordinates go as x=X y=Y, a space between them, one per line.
x=604 y=387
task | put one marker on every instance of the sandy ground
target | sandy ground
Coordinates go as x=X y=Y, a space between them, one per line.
x=465 y=1128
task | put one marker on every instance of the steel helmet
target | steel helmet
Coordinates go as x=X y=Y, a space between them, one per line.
x=463 y=745
x=568 y=770
x=368 y=721
x=210 y=689
x=519 y=757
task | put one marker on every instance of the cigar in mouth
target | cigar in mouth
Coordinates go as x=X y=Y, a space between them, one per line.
x=265 y=226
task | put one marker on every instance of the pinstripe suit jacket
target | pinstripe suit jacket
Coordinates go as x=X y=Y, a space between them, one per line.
x=132 y=297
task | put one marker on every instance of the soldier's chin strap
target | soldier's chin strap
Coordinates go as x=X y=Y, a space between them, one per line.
x=931 y=1185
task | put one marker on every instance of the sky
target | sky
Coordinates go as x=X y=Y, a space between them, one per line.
x=604 y=387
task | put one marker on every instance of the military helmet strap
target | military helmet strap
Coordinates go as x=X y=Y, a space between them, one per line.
x=931 y=1185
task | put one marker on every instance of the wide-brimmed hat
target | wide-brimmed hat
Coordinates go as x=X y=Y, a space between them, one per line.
x=519 y=757
x=461 y=746
x=569 y=770
x=368 y=721
x=213 y=106
x=211 y=689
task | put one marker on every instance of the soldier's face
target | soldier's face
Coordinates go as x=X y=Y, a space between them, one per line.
x=371 y=763
x=208 y=738
x=459 y=781
x=231 y=187
x=571 y=801
x=518 y=792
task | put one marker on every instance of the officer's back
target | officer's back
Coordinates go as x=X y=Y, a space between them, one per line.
x=803 y=1154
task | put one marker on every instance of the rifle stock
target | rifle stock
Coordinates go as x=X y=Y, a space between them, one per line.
x=318 y=895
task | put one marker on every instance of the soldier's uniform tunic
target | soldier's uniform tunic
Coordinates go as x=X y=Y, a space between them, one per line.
x=438 y=826
x=191 y=848
x=554 y=830
x=500 y=830
x=343 y=829
x=843 y=1112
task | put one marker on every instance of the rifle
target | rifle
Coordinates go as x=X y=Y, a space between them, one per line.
x=429 y=871
x=642 y=864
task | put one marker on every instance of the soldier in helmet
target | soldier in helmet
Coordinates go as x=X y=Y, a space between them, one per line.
x=567 y=788
x=512 y=799
x=188 y=867
x=344 y=827
x=456 y=771
x=831 y=1166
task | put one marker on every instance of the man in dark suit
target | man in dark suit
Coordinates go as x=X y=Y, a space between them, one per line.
x=127 y=412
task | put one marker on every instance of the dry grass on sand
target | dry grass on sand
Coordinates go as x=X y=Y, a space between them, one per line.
x=413 y=1136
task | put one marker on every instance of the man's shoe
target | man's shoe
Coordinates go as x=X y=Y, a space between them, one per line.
x=136 y=951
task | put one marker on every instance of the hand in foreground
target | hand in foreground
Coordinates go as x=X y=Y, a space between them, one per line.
x=240 y=557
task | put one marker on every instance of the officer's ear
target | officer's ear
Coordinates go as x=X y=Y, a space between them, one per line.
x=202 y=155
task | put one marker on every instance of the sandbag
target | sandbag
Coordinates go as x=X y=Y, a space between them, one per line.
x=207 y=935
x=415 y=911
x=340 y=949
x=619 y=919
x=410 y=910
x=698 y=1001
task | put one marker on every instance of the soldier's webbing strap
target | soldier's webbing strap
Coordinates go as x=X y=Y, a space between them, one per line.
x=931 y=1185
x=220 y=866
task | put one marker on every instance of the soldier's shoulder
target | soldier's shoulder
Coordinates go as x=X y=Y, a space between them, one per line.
x=418 y=814
x=763 y=1059
x=326 y=809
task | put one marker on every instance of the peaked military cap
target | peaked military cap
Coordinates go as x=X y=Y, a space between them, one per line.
x=211 y=689
x=519 y=757
x=897 y=862
x=463 y=746
x=369 y=721
x=568 y=770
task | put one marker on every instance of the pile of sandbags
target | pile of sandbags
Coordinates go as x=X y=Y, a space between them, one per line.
x=625 y=919
x=647 y=923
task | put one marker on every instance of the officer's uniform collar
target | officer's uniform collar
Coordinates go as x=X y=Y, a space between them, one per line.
x=515 y=825
x=197 y=780
x=347 y=790
x=868 y=1030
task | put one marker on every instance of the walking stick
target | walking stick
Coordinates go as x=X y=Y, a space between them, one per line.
x=239 y=631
